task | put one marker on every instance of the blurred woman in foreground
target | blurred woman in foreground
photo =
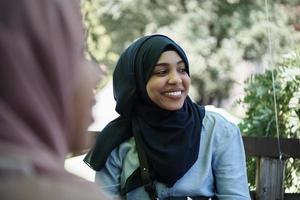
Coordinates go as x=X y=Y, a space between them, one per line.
x=45 y=99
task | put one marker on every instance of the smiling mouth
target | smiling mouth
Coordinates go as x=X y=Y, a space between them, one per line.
x=173 y=94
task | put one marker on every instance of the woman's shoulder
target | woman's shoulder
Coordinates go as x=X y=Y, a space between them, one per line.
x=214 y=118
x=219 y=126
x=214 y=114
x=220 y=116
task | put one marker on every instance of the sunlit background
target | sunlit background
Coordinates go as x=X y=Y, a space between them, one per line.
x=234 y=48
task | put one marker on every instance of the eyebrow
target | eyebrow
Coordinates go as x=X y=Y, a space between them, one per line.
x=164 y=64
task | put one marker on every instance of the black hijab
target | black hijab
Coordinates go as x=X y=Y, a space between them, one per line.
x=170 y=139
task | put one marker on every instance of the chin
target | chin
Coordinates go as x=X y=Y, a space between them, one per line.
x=173 y=108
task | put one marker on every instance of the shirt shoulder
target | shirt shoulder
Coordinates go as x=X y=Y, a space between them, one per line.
x=221 y=130
x=214 y=118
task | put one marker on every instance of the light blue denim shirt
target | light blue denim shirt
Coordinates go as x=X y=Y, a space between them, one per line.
x=220 y=169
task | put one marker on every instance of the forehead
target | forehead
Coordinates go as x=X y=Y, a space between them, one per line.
x=169 y=56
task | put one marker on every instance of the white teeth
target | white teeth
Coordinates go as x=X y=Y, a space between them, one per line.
x=177 y=93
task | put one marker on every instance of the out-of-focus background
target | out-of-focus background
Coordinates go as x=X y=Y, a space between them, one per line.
x=239 y=52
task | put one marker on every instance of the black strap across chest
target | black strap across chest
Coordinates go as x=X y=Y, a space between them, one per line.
x=143 y=170
x=142 y=177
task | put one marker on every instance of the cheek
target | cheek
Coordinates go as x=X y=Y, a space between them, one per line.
x=187 y=83
x=153 y=88
x=149 y=91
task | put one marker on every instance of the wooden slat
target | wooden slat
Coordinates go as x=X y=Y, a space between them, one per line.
x=269 y=178
x=268 y=147
x=291 y=196
x=254 y=146
x=287 y=196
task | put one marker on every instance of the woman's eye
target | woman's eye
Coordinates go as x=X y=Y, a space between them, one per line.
x=182 y=70
x=160 y=72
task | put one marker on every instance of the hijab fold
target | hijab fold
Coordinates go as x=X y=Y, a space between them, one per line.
x=170 y=139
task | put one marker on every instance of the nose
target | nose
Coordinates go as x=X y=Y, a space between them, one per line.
x=174 y=78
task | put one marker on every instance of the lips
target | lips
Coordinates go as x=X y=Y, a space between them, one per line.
x=175 y=93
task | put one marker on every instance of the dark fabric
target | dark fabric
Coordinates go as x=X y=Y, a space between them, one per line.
x=147 y=180
x=135 y=180
x=132 y=182
x=116 y=132
x=170 y=139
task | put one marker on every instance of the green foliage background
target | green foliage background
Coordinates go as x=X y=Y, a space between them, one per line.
x=260 y=116
x=217 y=36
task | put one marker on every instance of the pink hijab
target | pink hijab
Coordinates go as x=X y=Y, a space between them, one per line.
x=40 y=75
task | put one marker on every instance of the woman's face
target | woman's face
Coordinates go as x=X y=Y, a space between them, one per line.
x=169 y=83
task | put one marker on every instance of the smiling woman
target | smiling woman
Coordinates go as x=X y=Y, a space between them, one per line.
x=164 y=146
x=169 y=83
